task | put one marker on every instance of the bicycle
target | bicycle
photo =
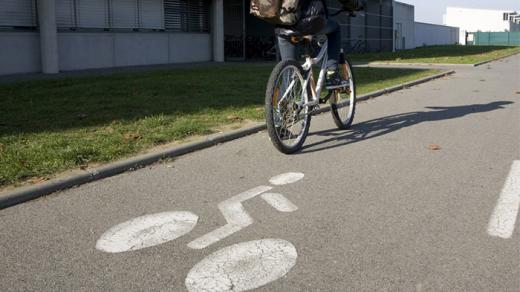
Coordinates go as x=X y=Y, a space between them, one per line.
x=292 y=95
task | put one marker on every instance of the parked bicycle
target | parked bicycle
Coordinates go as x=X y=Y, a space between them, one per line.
x=293 y=95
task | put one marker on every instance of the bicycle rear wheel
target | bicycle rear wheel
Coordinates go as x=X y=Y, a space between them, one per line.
x=343 y=100
x=287 y=121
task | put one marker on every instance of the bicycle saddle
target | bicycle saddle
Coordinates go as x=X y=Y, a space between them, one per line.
x=296 y=37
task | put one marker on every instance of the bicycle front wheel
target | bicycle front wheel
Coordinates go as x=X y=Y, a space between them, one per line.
x=343 y=100
x=287 y=120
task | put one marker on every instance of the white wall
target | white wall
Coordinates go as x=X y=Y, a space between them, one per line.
x=427 y=34
x=404 y=14
x=20 y=52
x=472 y=20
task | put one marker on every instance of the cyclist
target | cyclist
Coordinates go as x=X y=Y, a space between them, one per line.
x=314 y=20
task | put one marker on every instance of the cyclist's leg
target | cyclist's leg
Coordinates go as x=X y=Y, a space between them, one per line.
x=287 y=49
x=333 y=32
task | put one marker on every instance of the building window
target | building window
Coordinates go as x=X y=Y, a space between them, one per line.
x=107 y=14
x=91 y=13
x=187 y=15
x=151 y=14
x=18 y=13
x=174 y=15
x=124 y=14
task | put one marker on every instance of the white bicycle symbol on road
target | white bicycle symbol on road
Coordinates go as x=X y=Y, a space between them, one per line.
x=239 y=267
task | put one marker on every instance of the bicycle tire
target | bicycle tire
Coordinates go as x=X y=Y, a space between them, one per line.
x=344 y=116
x=274 y=130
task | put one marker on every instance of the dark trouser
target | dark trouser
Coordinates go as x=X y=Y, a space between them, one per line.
x=333 y=32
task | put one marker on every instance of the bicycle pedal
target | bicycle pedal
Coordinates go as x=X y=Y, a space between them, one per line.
x=314 y=108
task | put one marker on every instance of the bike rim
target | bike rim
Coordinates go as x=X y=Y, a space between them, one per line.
x=288 y=116
x=343 y=99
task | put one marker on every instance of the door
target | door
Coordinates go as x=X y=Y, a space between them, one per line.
x=399 y=40
x=234 y=30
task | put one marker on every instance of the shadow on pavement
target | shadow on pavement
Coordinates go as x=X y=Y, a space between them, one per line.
x=382 y=126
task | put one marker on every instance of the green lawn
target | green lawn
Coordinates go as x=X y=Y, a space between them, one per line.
x=48 y=126
x=439 y=54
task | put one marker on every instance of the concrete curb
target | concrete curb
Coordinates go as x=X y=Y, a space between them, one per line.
x=419 y=64
x=493 y=60
x=23 y=194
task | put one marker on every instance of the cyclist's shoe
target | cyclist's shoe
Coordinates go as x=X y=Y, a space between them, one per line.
x=334 y=80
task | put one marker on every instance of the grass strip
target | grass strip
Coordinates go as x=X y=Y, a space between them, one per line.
x=49 y=126
x=439 y=55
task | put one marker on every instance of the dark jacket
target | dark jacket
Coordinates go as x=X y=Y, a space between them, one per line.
x=305 y=3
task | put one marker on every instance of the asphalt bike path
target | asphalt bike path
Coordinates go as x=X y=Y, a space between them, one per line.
x=420 y=195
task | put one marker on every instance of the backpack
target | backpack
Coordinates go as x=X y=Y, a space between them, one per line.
x=282 y=12
x=313 y=19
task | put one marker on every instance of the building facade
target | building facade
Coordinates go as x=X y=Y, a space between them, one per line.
x=404 y=24
x=62 y=35
x=411 y=34
x=427 y=34
x=473 y=20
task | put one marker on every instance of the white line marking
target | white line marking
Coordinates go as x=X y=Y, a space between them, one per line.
x=146 y=231
x=236 y=216
x=279 y=202
x=243 y=266
x=286 y=178
x=502 y=222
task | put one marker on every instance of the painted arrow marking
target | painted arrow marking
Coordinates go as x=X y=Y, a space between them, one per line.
x=236 y=216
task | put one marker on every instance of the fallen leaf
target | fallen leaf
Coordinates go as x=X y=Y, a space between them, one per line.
x=434 y=147
x=234 y=118
x=132 y=136
x=38 y=180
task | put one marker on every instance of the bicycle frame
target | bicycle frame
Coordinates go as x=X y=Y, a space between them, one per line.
x=315 y=87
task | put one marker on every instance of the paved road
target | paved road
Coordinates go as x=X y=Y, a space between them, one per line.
x=376 y=208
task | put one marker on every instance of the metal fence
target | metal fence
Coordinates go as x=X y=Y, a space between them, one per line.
x=493 y=38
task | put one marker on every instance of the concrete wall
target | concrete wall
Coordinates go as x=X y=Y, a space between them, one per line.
x=404 y=14
x=427 y=34
x=20 y=51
